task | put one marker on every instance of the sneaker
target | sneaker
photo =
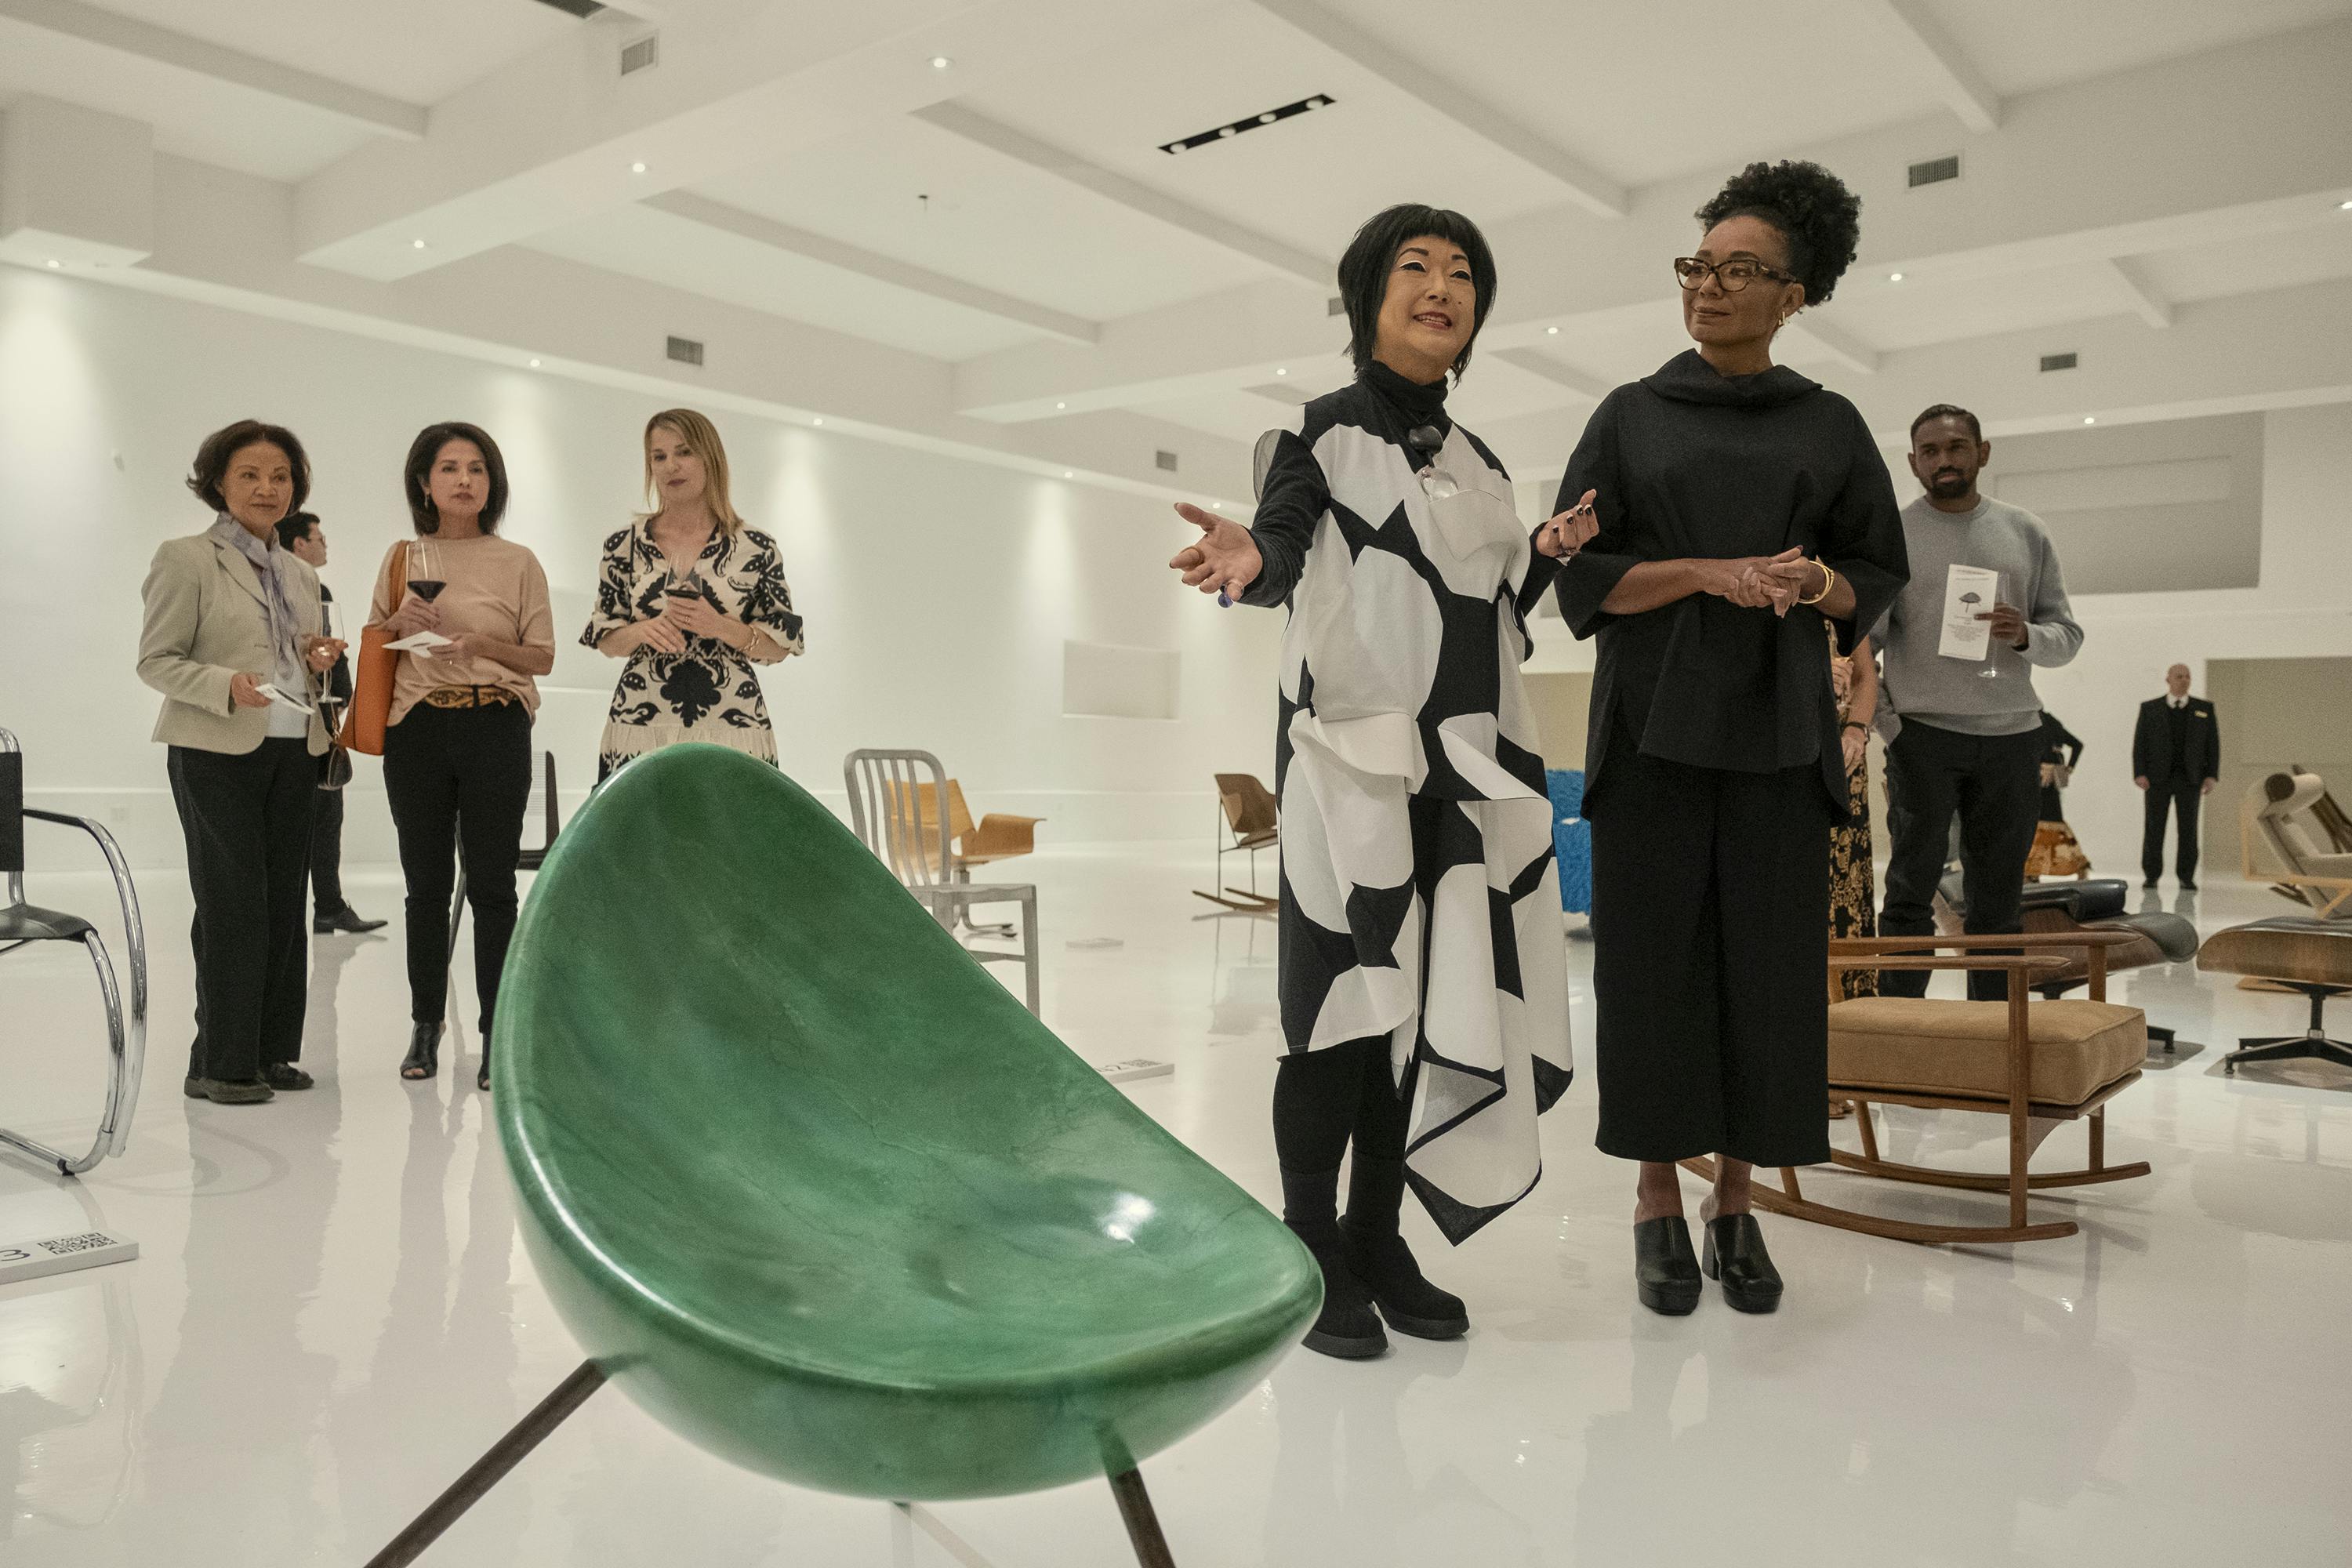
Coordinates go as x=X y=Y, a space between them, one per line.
x=227 y=1092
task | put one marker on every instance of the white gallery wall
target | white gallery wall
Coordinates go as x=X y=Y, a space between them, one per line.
x=940 y=594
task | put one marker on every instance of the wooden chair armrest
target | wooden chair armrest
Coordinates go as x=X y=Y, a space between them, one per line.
x=2031 y=939
x=2021 y=962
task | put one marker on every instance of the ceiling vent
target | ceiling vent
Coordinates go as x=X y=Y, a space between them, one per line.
x=1935 y=171
x=1255 y=122
x=643 y=54
x=1165 y=461
x=581 y=8
x=686 y=351
x=2060 y=362
x=1335 y=306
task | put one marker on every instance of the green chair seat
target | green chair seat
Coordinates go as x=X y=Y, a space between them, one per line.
x=824 y=1198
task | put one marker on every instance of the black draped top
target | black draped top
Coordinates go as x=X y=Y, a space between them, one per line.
x=1691 y=463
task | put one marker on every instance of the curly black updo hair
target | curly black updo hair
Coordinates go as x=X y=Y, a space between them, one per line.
x=1820 y=218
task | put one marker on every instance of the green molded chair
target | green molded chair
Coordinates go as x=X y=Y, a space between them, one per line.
x=824 y=1198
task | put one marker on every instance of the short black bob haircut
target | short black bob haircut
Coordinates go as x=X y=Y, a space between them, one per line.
x=425 y=450
x=1811 y=207
x=295 y=527
x=212 y=459
x=1364 y=272
x=1948 y=411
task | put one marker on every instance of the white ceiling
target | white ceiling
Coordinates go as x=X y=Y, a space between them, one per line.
x=1026 y=254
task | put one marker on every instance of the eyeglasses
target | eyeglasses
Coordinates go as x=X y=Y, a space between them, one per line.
x=1734 y=275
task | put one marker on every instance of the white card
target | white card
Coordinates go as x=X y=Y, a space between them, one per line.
x=62 y=1254
x=418 y=642
x=267 y=689
x=1968 y=592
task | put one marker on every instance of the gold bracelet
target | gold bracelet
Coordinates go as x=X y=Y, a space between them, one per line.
x=1829 y=581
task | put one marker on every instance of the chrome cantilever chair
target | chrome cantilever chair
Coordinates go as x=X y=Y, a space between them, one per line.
x=22 y=923
x=887 y=791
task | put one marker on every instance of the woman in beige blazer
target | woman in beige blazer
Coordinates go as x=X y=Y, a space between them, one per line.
x=231 y=637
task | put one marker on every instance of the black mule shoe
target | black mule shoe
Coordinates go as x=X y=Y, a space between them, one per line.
x=1666 y=1274
x=482 y=1078
x=1735 y=1255
x=1380 y=1258
x=424 y=1058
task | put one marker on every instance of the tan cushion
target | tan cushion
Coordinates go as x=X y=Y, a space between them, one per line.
x=1930 y=1045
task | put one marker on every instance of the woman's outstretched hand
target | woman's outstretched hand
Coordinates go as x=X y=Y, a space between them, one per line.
x=1569 y=531
x=1224 y=559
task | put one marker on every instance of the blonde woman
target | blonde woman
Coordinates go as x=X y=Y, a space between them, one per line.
x=692 y=598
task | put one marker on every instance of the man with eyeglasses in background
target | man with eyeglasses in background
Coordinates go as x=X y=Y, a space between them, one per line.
x=1966 y=725
x=299 y=532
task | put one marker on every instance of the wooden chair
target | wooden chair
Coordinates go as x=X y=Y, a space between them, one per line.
x=2268 y=815
x=1249 y=819
x=997 y=836
x=2026 y=1059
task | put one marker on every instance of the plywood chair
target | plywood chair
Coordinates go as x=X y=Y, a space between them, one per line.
x=2310 y=957
x=997 y=836
x=860 y=1222
x=2023 y=1059
x=2276 y=816
x=1248 y=820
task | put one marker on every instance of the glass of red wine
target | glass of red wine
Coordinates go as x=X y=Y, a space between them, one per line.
x=425 y=578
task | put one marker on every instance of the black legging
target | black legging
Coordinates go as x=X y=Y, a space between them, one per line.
x=452 y=772
x=1322 y=1097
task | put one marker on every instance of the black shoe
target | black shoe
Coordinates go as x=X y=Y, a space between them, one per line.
x=1735 y=1255
x=1381 y=1260
x=227 y=1091
x=346 y=919
x=424 y=1058
x=286 y=1075
x=2187 y=886
x=1665 y=1273
x=482 y=1078
x=1347 y=1327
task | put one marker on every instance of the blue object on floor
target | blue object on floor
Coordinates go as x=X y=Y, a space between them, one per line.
x=1571 y=839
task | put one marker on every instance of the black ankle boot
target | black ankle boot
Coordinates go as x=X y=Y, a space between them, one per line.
x=1381 y=1259
x=424 y=1058
x=1665 y=1274
x=1735 y=1255
x=1347 y=1327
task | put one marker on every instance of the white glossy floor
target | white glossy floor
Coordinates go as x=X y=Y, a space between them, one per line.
x=332 y=1316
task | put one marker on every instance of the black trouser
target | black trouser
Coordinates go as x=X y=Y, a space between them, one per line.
x=1994 y=782
x=1710 y=954
x=326 y=855
x=1324 y=1098
x=248 y=822
x=2176 y=793
x=456 y=773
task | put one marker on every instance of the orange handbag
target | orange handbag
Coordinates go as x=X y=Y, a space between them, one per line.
x=371 y=709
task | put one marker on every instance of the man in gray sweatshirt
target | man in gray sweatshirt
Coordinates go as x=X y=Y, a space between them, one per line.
x=1968 y=726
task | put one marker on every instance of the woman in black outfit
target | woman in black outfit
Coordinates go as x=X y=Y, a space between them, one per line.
x=1741 y=505
x=2057 y=852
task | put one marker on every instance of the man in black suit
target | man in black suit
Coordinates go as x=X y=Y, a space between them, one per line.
x=2176 y=761
x=299 y=532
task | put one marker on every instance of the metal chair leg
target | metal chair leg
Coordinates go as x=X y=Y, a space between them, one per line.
x=126 y=1048
x=491 y=1468
x=1143 y=1530
x=1029 y=955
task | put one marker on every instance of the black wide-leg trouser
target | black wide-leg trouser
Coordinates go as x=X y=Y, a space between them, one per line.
x=453 y=775
x=1710 y=935
x=247 y=818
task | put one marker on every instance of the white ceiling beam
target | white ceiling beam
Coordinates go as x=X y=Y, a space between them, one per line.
x=2079 y=173
x=2147 y=302
x=159 y=46
x=1835 y=341
x=1592 y=388
x=871 y=264
x=1023 y=148
x=1586 y=186
x=1939 y=62
x=557 y=135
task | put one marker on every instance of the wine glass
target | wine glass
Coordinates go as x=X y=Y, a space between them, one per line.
x=425 y=579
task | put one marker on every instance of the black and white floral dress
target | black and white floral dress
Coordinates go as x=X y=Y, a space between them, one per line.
x=1420 y=897
x=709 y=692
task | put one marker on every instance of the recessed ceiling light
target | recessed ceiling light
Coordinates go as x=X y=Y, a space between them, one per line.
x=417 y=245
x=1216 y=506
x=941 y=62
x=1895 y=277
x=2344 y=206
x=54 y=264
x=2090 y=419
x=638 y=167
x=1551 y=332
x=1069 y=473
x=534 y=364
x=818 y=422
x=1280 y=371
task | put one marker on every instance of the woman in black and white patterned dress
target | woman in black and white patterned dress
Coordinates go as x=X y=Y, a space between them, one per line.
x=692 y=598
x=1425 y=988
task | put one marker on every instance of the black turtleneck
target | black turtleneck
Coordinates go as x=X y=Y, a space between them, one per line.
x=1692 y=463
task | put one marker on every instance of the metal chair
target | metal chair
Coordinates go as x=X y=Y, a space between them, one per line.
x=887 y=791
x=1248 y=818
x=22 y=923
x=529 y=860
